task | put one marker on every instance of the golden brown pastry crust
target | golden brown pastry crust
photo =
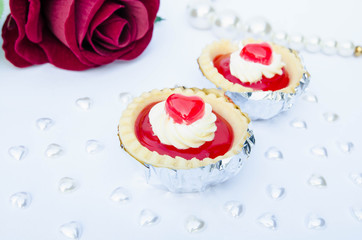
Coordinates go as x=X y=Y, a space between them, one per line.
x=220 y=104
x=294 y=66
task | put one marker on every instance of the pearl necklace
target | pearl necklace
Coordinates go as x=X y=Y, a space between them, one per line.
x=227 y=24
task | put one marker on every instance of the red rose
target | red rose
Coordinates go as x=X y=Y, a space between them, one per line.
x=77 y=34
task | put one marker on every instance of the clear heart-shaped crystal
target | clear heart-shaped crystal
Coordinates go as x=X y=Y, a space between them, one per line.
x=44 y=123
x=330 y=117
x=72 y=230
x=275 y=192
x=315 y=222
x=53 y=150
x=84 y=103
x=357 y=213
x=300 y=124
x=148 y=218
x=125 y=97
x=345 y=147
x=309 y=97
x=67 y=185
x=356 y=178
x=21 y=199
x=274 y=153
x=319 y=151
x=120 y=195
x=234 y=208
x=18 y=152
x=93 y=146
x=268 y=220
x=194 y=224
x=317 y=181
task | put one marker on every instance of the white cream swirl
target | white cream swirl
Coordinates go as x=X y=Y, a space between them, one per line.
x=247 y=71
x=182 y=136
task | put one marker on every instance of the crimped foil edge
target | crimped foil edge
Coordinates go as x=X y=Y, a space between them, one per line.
x=199 y=179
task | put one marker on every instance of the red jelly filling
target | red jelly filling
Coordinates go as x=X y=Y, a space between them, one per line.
x=185 y=109
x=222 y=142
x=258 y=53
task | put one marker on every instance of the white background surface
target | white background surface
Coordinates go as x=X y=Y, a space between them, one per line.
x=44 y=91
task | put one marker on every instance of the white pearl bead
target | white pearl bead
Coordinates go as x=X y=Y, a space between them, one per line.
x=280 y=38
x=329 y=47
x=258 y=27
x=345 y=48
x=227 y=24
x=200 y=14
x=312 y=44
x=295 y=41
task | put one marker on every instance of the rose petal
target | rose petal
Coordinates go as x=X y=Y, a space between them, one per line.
x=112 y=29
x=125 y=38
x=106 y=42
x=137 y=47
x=127 y=53
x=102 y=41
x=61 y=56
x=10 y=34
x=100 y=55
x=107 y=52
x=152 y=8
x=57 y=13
x=61 y=21
x=34 y=25
x=139 y=13
x=96 y=46
x=86 y=10
x=105 y=12
x=102 y=49
x=29 y=51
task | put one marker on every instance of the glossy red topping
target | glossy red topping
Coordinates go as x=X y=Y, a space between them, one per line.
x=185 y=109
x=258 y=53
x=224 y=137
x=222 y=63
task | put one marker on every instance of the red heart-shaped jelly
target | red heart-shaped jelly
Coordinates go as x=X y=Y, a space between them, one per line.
x=258 y=53
x=185 y=109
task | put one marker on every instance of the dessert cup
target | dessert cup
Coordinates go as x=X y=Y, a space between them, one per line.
x=259 y=104
x=195 y=168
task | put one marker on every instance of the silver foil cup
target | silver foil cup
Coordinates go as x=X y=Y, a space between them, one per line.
x=199 y=179
x=265 y=105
